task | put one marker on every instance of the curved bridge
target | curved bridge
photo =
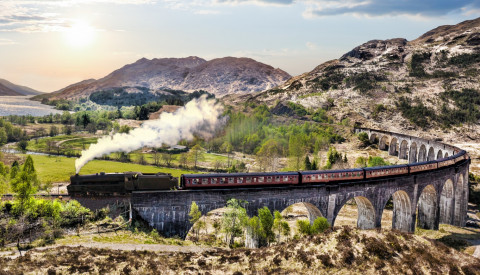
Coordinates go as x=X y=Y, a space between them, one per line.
x=423 y=199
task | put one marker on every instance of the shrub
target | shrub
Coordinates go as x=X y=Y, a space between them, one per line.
x=320 y=224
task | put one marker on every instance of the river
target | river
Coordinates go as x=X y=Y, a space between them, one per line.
x=22 y=105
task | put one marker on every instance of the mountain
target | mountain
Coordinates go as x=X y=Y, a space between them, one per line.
x=219 y=76
x=430 y=84
x=20 y=90
x=5 y=91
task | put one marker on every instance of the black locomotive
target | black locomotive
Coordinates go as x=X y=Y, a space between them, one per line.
x=119 y=183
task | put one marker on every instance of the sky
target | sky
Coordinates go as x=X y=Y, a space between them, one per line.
x=50 y=44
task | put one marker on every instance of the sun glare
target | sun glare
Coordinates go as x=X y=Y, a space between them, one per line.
x=80 y=35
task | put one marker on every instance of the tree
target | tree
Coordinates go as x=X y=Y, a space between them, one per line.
x=268 y=155
x=363 y=137
x=156 y=158
x=196 y=154
x=266 y=223
x=84 y=120
x=308 y=165
x=183 y=159
x=332 y=157
x=296 y=150
x=314 y=165
x=67 y=130
x=22 y=145
x=233 y=220
x=227 y=148
x=194 y=215
x=280 y=226
x=3 y=137
x=167 y=158
x=50 y=144
x=25 y=183
x=53 y=131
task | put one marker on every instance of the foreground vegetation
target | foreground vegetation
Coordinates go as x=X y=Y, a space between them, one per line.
x=342 y=250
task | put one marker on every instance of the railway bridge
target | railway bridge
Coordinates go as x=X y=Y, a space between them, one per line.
x=424 y=199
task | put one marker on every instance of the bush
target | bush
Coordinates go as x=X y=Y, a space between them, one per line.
x=320 y=224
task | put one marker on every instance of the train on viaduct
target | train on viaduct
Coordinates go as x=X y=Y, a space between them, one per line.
x=433 y=190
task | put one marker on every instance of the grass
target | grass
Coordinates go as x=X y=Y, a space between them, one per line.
x=208 y=158
x=74 y=142
x=59 y=169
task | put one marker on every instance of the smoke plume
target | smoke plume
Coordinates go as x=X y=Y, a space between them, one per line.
x=199 y=116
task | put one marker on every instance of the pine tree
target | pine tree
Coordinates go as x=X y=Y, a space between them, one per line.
x=308 y=165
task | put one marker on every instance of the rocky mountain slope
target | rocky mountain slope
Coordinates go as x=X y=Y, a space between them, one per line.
x=219 y=76
x=429 y=86
x=7 y=88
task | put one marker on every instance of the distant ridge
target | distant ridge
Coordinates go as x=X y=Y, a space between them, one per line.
x=5 y=91
x=19 y=90
x=219 y=76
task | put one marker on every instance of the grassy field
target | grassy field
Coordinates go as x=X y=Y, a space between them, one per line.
x=72 y=142
x=59 y=169
x=207 y=161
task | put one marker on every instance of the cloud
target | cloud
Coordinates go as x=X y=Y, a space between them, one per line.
x=206 y=12
x=4 y=42
x=43 y=16
x=311 y=45
x=255 y=2
x=322 y=8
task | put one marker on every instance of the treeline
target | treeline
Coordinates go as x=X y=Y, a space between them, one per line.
x=10 y=133
x=258 y=134
x=261 y=230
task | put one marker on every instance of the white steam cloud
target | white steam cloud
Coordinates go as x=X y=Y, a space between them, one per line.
x=198 y=116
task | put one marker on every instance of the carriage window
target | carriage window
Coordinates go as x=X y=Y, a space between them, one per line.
x=204 y=181
x=222 y=180
x=214 y=181
x=249 y=179
x=239 y=180
x=230 y=180
x=194 y=181
x=277 y=178
x=260 y=179
x=269 y=179
x=254 y=179
x=285 y=178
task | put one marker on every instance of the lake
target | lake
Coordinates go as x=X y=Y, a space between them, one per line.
x=22 y=105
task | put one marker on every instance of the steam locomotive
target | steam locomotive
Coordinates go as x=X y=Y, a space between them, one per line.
x=123 y=183
x=119 y=183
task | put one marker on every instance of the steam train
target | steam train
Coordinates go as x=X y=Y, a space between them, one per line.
x=123 y=183
x=119 y=183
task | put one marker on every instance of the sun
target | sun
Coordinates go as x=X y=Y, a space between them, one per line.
x=80 y=34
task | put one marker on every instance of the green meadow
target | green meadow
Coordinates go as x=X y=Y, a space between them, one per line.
x=59 y=169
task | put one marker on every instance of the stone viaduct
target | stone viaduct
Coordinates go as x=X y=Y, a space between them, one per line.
x=424 y=199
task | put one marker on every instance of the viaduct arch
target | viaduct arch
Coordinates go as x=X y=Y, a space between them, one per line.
x=432 y=196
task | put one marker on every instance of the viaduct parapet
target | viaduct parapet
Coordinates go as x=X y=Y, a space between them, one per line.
x=423 y=199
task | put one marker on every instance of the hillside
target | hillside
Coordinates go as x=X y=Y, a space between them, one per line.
x=427 y=87
x=22 y=90
x=5 y=91
x=218 y=76
x=342 y=251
